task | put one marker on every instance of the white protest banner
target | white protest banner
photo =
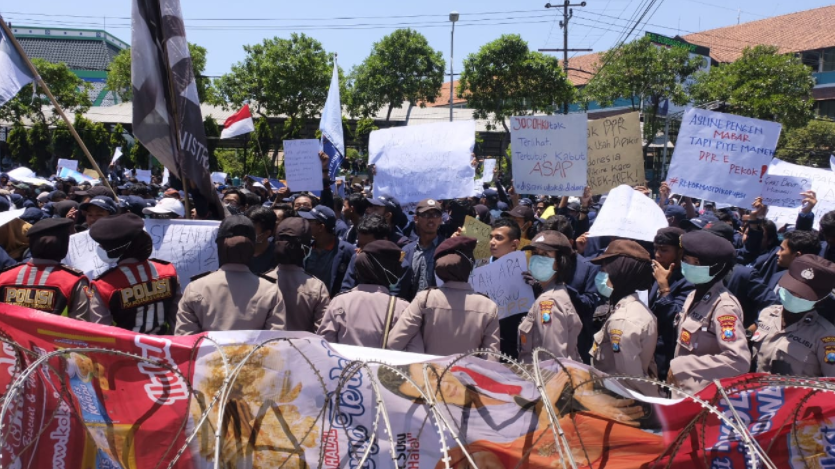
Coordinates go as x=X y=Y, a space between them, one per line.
x=823 y=183
x=616 y=153
x=302 y=165
x=424 y=161
x=71 y=173
x=69 y=164
x=722 y=157
x=489 y=167
x=478 y=187
x=143 y=175
x=219 y=178
x=21 y=172
x=549 y=154
x=784 y=191
x=628 y=213
x=188 y=244
x=8 y=216
x=117 y=153
x=502 y=281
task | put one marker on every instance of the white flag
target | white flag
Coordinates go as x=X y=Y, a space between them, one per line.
x=116 y=155
x=14 y=74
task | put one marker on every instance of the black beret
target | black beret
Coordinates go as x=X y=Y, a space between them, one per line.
x=549 y=240
x=708 y=248
x=623 y=247
x=670 y=236
x=236 y=225
x=809 y=277
x=50 y=226
x=116 y=230
x=462 y=244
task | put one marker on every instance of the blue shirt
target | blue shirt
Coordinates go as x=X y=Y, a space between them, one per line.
x=423 y=264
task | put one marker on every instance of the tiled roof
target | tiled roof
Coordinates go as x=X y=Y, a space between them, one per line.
x=442 y=98
x=795 y=32
x=587 y=63
x=77 y=54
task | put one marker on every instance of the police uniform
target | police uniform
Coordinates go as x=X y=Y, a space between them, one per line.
x=552 y=323
x=305 y=297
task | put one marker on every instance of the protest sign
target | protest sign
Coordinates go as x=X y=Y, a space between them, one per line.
x=784 y=191
x=92 y=173
x=69 y=164
x=549 y=154
x=823 y=183
x=615 y=153
x=423 y=161
x=302 y=165
x=71 y=173
x=143 y=175
x=502 y=281
x=628 y=213
x=218 y=177
x=188 y=244
x=722 y=157
x=489 y=167
x=21 y=172
x=480 y=231
x=8 y=216
x=117 y=153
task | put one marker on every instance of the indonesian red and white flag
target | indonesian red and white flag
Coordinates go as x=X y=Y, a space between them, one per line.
x=238 y=124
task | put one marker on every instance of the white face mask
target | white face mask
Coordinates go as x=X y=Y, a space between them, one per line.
x=105 y=257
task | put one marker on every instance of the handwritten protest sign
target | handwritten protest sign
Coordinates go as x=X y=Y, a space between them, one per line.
x=784 y=191
x=69 y=164
x=628 y=213
x=302 y=165
x=615 y=153
x=722 y=157
x=823 y=183
x=480 y=231
x=502 y=281
x=549 y=154
x=188 y=244
x=143 y=175
x=489 y=167
x=424 y=161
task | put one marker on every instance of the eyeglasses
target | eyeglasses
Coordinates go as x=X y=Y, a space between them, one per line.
x=430 y=214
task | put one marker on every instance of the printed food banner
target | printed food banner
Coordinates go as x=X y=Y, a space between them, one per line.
x=114 y=399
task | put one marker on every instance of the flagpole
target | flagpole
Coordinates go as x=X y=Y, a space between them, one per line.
x=55 y=104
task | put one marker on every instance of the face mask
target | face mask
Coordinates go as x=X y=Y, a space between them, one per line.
x=542 y=268
x=794 y=304
x=438 y=281
x=105 y=257
x=601 y=281
x=696 y=274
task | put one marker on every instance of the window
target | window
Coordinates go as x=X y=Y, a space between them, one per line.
x=829 y=59
x=826 y=109
x=812 y=59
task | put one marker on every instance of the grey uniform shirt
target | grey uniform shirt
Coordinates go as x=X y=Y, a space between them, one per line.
x=305 y=296
x=805 y=348
x=552 y=323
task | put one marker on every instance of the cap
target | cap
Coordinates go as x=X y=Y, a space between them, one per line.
x=165 y=206
x=116 y=230
x=43 y=196
x=376 y=202
x=102 y=202
x=427 y=205
x=49 y=226
x=623 y=247
x=520 y=211
x=57 y=195
x=172 y=193
x=675 y=211
x=708 y=248
x=501 y=205
x=491 y=193
x=670 y=236
x=526 y=202
x=573 y=206
x=99 y=190
x=21 y=186
x=321 y=214
x=549 y=240
x=258 y=185
x=695 y=223
x=391 y=203
x=125 y=186
x=32 y=215
x=294 y=227
x=721 y=229
x=461 y=244
x=809 y=277
x=235 y=225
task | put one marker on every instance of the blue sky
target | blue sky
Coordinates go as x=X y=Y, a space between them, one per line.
x=349 y=28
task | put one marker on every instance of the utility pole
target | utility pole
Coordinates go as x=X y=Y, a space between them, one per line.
x=567 y=14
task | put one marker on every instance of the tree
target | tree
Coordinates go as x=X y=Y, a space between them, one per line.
x=762 y=84
x=643 y=73
x=401 y=67
x=117 y=139
x=118 y=77
x=280 y=76
x=40 y=144
x=139 y=155
x=69 y=90
x=504 y=78
x=212 y=134
x=18 y=141
x=808 y=145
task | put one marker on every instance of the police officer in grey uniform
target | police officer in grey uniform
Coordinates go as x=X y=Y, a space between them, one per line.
x=552 y=322
x=232 y=297
x=452 y=318
x=364 y=315
x=792 y=338
x=711 y=339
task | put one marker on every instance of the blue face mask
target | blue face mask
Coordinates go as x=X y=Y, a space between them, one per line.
x=601 y=281
x=696 y=274
x=794 y=304
x=542 y=268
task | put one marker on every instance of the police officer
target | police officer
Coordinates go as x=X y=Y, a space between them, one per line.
x=43 y=283
x=138 y=294
x=552 y=322
x=452 y=318
x=364 y=315
x=793 y=339
x=306 y=298
x=232 y=297
x=626 y=342
x=711 y=339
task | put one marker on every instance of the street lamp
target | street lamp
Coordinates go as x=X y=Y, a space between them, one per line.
x=453 y=17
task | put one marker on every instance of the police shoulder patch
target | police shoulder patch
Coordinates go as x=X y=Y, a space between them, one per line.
x=71 y=270
x=545 y=308
x=615 y=336
x=829 y=354
x=728 y=323
x=685 y=338
x=198 y=276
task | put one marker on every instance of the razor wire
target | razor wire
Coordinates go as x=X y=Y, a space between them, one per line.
x=31 y=367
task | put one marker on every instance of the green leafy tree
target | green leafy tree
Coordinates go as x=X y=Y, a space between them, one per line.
x=69 y=90
x=212 y=134
x=504 y=78
x=808 y=145
x=402 y=67
x=139 y=155
x=117 y=139
x=40 y=144
x=118 y=77
x=642 y=72
x=62 y=141
x=18 y=141
x=363 y=131
x=280 y=77
x=762 y=84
